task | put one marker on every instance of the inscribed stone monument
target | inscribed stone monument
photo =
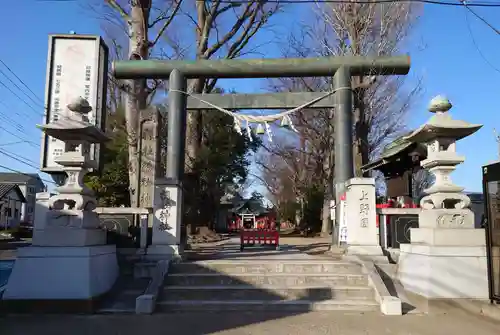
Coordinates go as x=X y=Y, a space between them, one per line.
x=150 y=155
x=362 y=232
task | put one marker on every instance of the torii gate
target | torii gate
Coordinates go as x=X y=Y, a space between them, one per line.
x=178 y=72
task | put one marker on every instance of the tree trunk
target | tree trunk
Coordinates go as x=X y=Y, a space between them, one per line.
x=136 y=97
x=325 y=217
x=360 y=144
x=194 y=122
x=299 y=212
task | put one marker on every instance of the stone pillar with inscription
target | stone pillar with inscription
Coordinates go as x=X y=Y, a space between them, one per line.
x=362 y=238
x=447 y=255
x=69 y=258
x=167 y=216
x=168 y=191
x=150 y=155
x=149 y=163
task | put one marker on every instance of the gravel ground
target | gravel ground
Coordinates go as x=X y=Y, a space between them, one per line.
x=337 y=323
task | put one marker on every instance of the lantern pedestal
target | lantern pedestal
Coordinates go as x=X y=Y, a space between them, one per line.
x=72 y=275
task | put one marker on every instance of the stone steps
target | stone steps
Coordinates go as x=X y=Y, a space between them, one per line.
x=266 y=305
x=267 y=293
x=266 y=284
x=123 y=296
x=276 y=279
x=265 y=267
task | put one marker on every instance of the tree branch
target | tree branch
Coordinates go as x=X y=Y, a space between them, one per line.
x=166 y=24
x=230 y=34
x=123 y=13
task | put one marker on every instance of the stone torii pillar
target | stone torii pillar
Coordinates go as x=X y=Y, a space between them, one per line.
x=178 y=72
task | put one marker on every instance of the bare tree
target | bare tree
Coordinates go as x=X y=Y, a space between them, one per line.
x=422 y=179
x=143 y=26
x=340 y=29
x=222 y=30
x=156 y=29
x=280 y=181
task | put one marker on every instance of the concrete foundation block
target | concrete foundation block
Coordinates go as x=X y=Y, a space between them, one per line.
x=391 y=306
x=145 y=304
x=55 y=273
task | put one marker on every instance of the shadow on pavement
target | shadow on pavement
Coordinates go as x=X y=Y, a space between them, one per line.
x=195 y=300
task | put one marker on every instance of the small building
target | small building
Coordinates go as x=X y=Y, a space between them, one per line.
x=227 y=202
x=399 y=162
x=11 y=204
x=251 y=214
x=30 y=184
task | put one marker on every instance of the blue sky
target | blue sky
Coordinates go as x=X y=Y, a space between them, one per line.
x=443 y=53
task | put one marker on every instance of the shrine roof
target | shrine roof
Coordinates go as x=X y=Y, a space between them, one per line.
x=391 y=152
x=249 y=206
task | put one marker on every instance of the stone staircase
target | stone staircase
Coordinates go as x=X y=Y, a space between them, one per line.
x=292 y=284
x=133 y=280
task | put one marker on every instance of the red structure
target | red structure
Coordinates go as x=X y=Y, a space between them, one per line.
x=255 y=223
x=250 y=237
x=250 y=214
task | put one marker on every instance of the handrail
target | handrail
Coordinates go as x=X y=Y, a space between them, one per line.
x=131 y=210
x=400 y=211
x=123 y=210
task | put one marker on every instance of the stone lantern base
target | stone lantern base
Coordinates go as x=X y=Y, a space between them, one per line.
x=68 y=267
x=446 y=258
x=59 y=278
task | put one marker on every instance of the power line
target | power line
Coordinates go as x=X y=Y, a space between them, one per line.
x=432 y=2
x=476 y=45
x=17 y=95
x=25 y=174
x=20 y=80
x=20 y=138
x=17 y=126
x=469 y=28
x=466 y=5
x=20 y=89
x=17 y=112
x=11 y=143
x=17 y=156
x=497 y=139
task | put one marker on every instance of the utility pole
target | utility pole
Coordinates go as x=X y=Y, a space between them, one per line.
x=497 y=139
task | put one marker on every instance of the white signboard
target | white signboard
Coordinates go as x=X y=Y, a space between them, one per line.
x=77 y=66
x=343 y=220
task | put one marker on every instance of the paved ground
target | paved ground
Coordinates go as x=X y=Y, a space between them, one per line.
x=250 y=323
x=454 y=322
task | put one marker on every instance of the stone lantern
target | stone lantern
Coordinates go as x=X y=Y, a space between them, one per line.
x=440 y=135
x=69 y=258
x=447 y=255
x=74 y=204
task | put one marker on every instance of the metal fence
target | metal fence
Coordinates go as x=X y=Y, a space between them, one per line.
x=395 y=225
